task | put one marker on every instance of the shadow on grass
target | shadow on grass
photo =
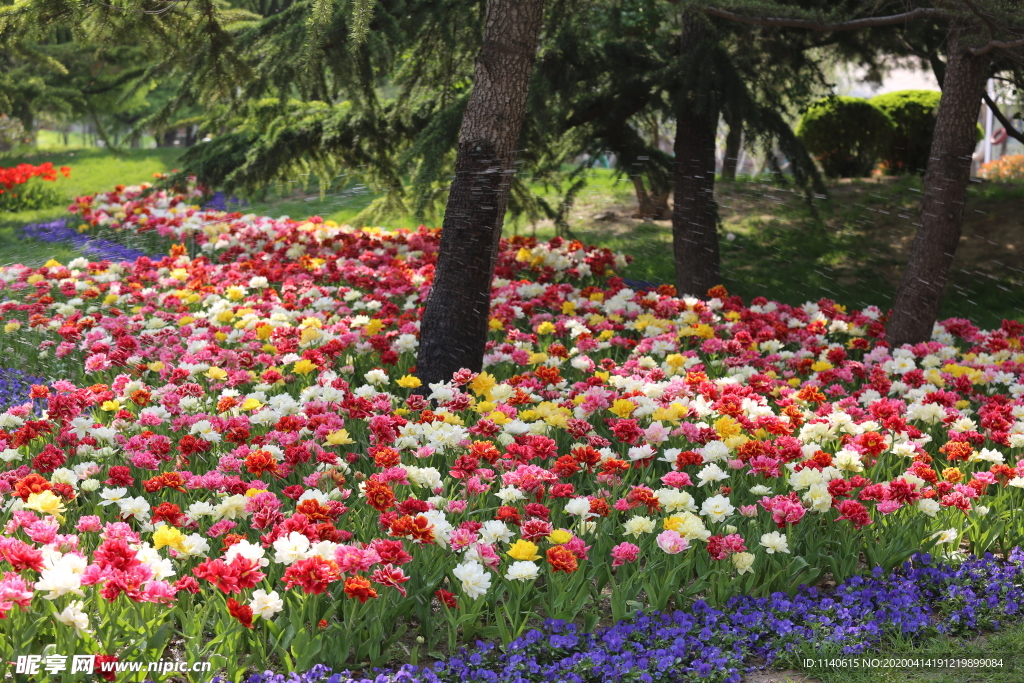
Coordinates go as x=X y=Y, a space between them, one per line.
x=851 y=248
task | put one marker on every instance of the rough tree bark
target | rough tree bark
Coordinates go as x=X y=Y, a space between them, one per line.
x=694 y=213
x=453 y=332
x=919 y=294
x=732 y=151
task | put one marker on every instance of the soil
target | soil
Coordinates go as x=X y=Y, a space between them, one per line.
x=777 y=677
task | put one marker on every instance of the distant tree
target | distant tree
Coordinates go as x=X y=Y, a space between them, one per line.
x=610 y=68
x=733 y=142
x=34 y=82
x=977 y=34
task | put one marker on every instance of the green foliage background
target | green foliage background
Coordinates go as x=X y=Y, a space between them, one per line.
x=913 y=112
x=847 y=135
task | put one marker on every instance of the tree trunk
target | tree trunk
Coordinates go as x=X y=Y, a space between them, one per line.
x=643 y=200
x=732 y=151
x=942 y=207
x=650 y=206
x=695 y=214
x=28 y=123
x=662 y=211
x=453 y=332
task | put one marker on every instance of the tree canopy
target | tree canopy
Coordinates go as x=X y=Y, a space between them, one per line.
x=381 y=88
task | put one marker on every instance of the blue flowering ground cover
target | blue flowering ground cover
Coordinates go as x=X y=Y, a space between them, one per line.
x=99 y=249
x=923 y=599
x=221 y=202
x=15 y=386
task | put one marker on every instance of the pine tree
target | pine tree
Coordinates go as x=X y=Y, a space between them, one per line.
x=380 y=108
x=86 y=58
x=976 y=33
x=611 y=67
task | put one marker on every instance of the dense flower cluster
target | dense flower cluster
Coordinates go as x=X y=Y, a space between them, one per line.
x=244 y=430
x=13 y=176
x=1010 y=167
x=141 y=209
x=23 y=187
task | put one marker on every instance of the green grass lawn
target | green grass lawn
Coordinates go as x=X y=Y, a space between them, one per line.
x=92 y=170
x=852 y=247
x=855 y=248
x=51 y=140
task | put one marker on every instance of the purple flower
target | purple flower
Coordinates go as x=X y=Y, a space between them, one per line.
x=58 y=231
x=706 y=643
x=14 y=387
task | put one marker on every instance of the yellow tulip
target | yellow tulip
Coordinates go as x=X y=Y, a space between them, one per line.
x=524 y=551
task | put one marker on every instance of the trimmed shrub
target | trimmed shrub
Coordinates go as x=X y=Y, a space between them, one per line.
x=913 y=112
x=847 y=135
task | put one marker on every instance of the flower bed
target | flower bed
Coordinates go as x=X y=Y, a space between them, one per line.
x=235 y=464
x=708 y=644
x=141 y=210
x=1006 y=168
x=23 y=186
x=100 y=249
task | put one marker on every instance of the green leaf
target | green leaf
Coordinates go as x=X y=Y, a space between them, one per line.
x=362 y=14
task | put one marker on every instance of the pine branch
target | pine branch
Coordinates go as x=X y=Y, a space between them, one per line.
x=814 y=25
x=319 y=17
x=1007 y=124
x=996 y=45
x=362 y=14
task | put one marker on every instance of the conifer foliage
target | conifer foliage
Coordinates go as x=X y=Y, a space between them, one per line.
x=459 y=102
